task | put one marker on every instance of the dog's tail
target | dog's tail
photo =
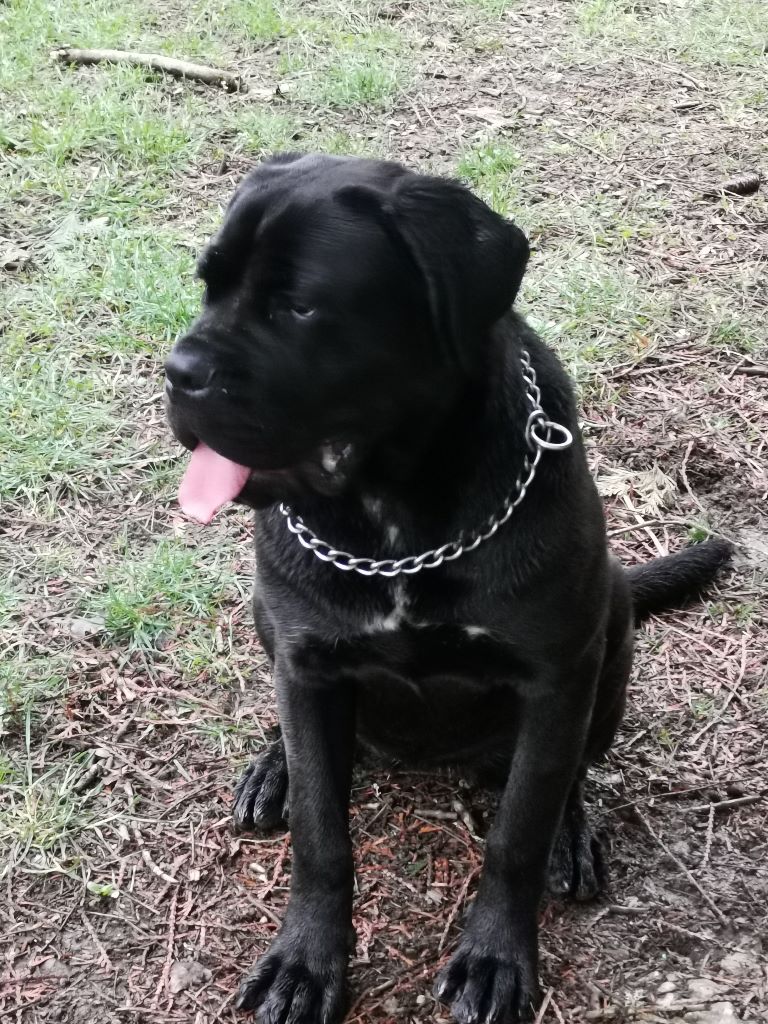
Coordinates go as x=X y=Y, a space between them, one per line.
x=668 y=581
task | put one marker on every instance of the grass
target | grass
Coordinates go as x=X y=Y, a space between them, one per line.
x=693 y=31
x=494 y=8
x=496 y=171
x=45 y=824
x=57 y=430
x=170 y=584
x=26 y=683
x=330 y=64
x=592 y=310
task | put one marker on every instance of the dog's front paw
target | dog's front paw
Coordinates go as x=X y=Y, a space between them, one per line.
x=491 y=977
x=261 y=793
x=300 y=980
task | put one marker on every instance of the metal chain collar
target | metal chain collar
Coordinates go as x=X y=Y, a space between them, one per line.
x=539 y=433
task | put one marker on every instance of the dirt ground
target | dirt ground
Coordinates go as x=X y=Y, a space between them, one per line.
x=142 y=905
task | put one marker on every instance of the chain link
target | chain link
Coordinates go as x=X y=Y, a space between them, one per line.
x=540 y=434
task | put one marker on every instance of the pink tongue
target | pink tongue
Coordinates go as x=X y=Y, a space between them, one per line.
x=210 y=482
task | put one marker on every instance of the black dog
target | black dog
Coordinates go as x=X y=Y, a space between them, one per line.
x=357 y=357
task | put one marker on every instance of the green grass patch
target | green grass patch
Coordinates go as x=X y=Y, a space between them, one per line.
x=738 y=335
x=343 y=68
x=263 y=132
x=352 y=81
x=29 y=29
x=112 y=111
x=55 y=427
x=27 y=683
x=495 y=171
x=44 y=822
x=257 y=21
x=145 y=598
x=134 y=287
x=9 y=601
x=591 y=311
x=692 y=31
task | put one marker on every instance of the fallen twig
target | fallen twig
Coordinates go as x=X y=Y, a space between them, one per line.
x=710 y=836
x=691 y=878
x=97 y=943
x=760 y=370
x=157 y=62
x=652 y=1011
x=90 y=778
x=154 y=868
x=466 y=818
x=163 y=983
x=732 y=692
x=684 y=478
x=458 y=905
x=737 y=801
x=544 y=1004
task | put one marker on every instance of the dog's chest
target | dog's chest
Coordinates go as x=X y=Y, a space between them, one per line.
x=430 y=681
x=429 y=691
x=409 y=600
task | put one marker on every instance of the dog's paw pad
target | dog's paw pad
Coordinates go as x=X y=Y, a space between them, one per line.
x=261 y=793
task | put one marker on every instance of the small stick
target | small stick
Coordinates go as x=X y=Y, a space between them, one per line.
x=732 y=692
x=691 y=878
x=688 y=934
x=544 y=1004
x=710 y=834
x=737 y=801
x=558 y=1014
x=89 y=779
x=636 y=526
x=97 y=943
x=752 y=371
x=684 y=478
x=157 y=62
x=154 y=868
x=457 y=905
x=466 y=818
x=163 y=983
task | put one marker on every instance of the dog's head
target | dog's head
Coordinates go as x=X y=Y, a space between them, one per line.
x=343 y=299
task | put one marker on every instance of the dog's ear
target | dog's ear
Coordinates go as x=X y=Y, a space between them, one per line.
x=471 y=260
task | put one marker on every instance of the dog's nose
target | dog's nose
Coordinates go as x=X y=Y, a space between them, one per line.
x=188 y=371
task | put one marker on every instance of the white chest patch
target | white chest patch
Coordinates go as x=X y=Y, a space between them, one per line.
x=393 y=533
x=397 y=617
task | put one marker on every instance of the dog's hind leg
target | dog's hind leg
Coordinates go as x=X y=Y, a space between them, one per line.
x=261 y=793
x=576 y=864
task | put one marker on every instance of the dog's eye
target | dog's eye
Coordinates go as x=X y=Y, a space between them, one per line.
x=302 y=312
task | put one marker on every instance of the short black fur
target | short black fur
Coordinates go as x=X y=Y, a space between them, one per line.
x=359 y=352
